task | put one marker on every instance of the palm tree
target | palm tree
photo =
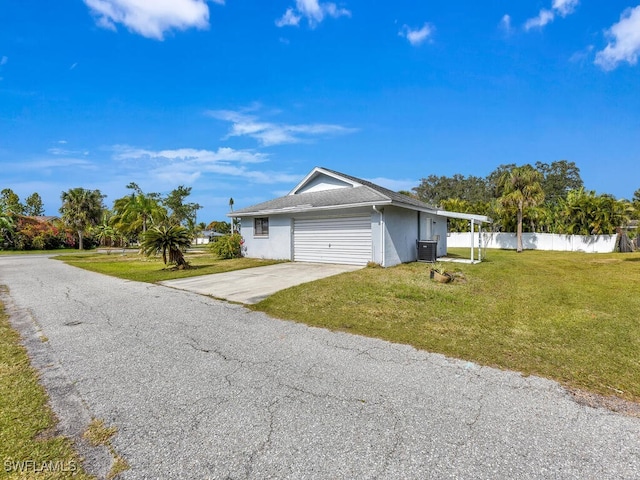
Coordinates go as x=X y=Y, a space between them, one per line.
x=521 y=188
x=585 y=213
x=81 y=209
x=171 y=239
x=457 y=205
x=6 y=228
x=105 y=233
x=134 y=213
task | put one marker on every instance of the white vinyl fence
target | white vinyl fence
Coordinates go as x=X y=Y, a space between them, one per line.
x=537 y=241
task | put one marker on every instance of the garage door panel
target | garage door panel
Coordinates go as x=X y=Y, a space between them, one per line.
x=333 y=240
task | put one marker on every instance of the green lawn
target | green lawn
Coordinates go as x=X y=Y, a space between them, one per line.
x=35 y=252
x=28 y=442
x=572 y=317
x=142 y=269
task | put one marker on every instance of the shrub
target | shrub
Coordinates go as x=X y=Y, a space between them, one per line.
x=229 y=246
x=34 y=234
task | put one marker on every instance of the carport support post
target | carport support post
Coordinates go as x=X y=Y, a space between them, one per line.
x=472 y=242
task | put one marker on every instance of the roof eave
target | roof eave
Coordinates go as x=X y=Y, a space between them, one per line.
x=417 y=208
x=305 y=209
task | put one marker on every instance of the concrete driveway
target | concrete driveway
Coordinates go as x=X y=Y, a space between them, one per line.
x=252 y=285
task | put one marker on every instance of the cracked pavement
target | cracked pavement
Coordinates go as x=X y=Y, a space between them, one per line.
x=200 y=388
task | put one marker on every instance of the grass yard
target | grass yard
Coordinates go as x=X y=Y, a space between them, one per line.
x=29 y=446
x=133 y=266
x=571 y=317
x=36 y=252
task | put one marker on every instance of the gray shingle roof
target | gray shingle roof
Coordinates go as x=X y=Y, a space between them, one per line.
x=367 y=194
x=393 y=196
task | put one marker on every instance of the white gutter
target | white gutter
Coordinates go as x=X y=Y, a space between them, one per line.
x=382 y=235
x=300 y=209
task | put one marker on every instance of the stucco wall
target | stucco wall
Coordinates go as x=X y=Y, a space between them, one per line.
x=323 y=182
x=401 y=233
x=434 y=227
x=276 y=246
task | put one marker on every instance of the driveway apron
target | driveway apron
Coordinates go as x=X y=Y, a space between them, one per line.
x=200 y=388
x=252 y=285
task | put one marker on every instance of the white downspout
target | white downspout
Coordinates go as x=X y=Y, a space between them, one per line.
x=382 y=250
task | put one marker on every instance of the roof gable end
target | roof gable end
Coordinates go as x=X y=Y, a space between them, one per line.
x=321 y=179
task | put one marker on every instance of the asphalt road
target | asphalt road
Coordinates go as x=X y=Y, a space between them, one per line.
x=200 y=388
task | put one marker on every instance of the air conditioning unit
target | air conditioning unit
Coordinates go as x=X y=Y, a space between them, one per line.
x=427 y=250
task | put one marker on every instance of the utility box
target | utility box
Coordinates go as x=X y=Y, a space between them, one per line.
x=427 y=251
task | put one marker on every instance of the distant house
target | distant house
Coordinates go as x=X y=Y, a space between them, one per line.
x=45 y=218
x=206 y=236
x=331 y=217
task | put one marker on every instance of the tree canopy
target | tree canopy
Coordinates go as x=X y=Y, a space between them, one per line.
x=560 y=183
x=180 y=212
x=33 y=205
x=520 y=189
x=132 y=214
x=81 y=209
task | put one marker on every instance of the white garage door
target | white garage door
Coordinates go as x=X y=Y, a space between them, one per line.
x=333 y=240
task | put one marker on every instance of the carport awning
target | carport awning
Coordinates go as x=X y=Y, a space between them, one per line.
x=465 y=216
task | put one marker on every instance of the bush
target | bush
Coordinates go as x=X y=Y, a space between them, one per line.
x=33 y=234
x=229 y=246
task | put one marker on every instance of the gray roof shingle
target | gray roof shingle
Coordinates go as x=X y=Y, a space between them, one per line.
x=367 y=194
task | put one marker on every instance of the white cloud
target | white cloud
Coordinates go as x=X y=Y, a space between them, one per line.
x=290 y=18
x=3 y=60
x=151 y=19
x=416 y=36
x=565 y=7
x=558 y=7
x=582 y=56
x=186 y=165
x=505 y=24
x=269 y=134
x=544 y=17
x=313 y=11
x=223 y=154
x=624 y=43
x=57 y=162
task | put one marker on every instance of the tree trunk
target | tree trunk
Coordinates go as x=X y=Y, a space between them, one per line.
x=519 y=231
x=80 y=243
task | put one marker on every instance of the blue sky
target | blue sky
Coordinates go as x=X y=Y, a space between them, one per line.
x=242 y=98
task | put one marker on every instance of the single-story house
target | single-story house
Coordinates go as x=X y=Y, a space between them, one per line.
x=44 y=218
x=205 y=237
x=331 y=217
